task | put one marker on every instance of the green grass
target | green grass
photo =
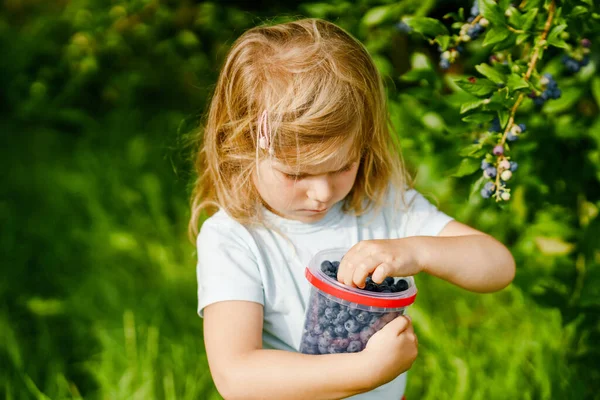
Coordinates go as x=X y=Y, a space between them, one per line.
x=101 y=302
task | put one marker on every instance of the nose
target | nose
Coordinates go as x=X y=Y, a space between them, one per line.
x=321 y=189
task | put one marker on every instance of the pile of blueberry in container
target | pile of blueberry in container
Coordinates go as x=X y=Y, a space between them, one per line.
x=330 y=268
x=332 y=327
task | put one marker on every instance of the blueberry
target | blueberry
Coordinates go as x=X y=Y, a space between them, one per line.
x=342 y=317
x=403 y=27
x=334 y=349
x=330 y=313
x=330 y=303
x=366 y=333
x=354 y=346
x=323 y=349
x=351 y=326
x=489 y=186
x=513 y=166
x=354 y=311
x=490 y=172
x=389 y=280
x=523 y=127
x=495 y=125
x=498 y=150
x=538 y=101
x=353 y=336
x=311 y=339
x=321 y=308
x=444 y=63
x=486 y=194
x=373 y=321
x=323 y=341
x=318 y=330
x=340 y=330
x=511 y=137
x=585 y=61
x=401 y=285
x=363 y=317
x=371 y=287
x=341 y=343
x=485 y=164
x=329 y=333
x=309 y=349
x=326 y=266
x=336 y=264
x=324 y=322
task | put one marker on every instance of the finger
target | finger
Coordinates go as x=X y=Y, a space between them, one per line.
x=398 y=325
x=346 y=267
x=360 y=274
x=381 y=272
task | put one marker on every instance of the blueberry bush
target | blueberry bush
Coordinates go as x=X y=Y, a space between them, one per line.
x=495 y=104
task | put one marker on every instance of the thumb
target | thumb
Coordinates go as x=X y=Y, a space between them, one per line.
x=399 y=324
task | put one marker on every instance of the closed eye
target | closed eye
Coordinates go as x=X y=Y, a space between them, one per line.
x=297 y=177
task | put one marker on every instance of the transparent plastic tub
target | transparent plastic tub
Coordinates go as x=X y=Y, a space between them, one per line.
x=340 y=318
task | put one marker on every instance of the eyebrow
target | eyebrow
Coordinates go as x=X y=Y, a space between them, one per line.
x=306 y=173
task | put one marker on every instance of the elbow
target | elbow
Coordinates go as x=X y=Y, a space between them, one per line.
x=509 y=272
x=228 y=388
x=511 y=269
x=229 y=384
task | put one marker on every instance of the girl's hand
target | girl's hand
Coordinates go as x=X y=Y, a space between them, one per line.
x=391 y=350
x=381 y=258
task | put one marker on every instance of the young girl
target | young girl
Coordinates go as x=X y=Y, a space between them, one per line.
x=297 y=157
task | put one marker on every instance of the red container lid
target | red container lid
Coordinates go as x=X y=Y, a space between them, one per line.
x=355 y=295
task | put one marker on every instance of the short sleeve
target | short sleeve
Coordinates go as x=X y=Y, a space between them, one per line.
x=227 y=268
x=419 y=217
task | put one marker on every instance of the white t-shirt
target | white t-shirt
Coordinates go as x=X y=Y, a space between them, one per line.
x=262 y=266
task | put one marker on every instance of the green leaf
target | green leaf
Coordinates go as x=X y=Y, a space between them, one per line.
x=491 y=73
x=521 y=38
x=553 y=246
x=427 y=26
x=490 y=10
x=476 y=186
x=470 y=150
x=516 y=82
x=471 y=105
x=569 y=97
x=416 y=75
x=467 y=167
x=481 y=87
x=596 y=89
x=533 y=4
x=495 y=35
x=554 y=36
x=384 y=65
x=443 y=41
x=377 y=15
x=479 y=118
x=503 y=117
x=578 y=10
x=529 y=19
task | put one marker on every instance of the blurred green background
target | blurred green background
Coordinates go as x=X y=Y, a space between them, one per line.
x=98 y=290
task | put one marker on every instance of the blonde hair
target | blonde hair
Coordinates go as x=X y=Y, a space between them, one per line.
x=320 y=88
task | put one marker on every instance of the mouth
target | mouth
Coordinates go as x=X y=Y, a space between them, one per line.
x=316 y=211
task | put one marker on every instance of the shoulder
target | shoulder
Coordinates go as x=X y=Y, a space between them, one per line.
x=221 y=229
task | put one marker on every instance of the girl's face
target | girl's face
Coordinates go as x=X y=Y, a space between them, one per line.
x=305 y=195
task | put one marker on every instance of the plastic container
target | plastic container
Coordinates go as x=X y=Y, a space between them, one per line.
x=340 y=318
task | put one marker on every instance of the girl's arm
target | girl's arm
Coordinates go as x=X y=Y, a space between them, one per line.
x=241 y=369
x=466 y=257
x=460 y=254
